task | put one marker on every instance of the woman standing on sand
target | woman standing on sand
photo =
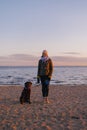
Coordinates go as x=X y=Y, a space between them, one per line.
x=45 y=69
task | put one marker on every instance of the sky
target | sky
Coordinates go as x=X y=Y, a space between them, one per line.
x=27 y=27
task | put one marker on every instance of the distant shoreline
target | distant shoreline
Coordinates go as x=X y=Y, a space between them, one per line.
x=54 y=66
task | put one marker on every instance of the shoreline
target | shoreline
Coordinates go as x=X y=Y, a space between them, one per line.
x=39 y=85
x=67 y=109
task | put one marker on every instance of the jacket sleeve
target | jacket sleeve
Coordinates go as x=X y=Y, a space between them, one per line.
x=38 y=72
x=50 y=68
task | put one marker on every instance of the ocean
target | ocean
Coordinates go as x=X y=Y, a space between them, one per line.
x=18 y=75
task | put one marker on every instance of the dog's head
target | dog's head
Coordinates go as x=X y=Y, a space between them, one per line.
x=28 y=84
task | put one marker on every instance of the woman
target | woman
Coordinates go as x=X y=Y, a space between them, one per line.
x=45 y=69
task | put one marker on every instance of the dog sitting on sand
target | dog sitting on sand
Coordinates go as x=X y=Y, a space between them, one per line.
x=25 y=95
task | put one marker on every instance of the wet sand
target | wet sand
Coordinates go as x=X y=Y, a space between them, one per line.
x=67 y=109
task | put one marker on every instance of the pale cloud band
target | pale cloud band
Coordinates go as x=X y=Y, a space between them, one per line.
x=69 y=61
x=29 y=60
x=71 y=53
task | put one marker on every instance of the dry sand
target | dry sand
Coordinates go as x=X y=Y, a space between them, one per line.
x=67 y=109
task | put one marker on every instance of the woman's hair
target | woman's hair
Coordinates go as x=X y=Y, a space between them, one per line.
x=45 y=53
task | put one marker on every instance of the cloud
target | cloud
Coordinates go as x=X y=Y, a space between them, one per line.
x=30 y=60
x=18 y=60
x=69 y=61
x=22 y=57
x=72 y=53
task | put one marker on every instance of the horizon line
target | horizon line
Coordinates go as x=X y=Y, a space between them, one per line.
x=37 y=66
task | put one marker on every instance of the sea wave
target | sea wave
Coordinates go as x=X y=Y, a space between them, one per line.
x=61 y=75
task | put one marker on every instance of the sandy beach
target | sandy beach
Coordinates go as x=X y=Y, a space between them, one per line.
x=67 y=109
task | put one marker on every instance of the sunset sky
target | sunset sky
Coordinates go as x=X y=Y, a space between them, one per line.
x=27 y=27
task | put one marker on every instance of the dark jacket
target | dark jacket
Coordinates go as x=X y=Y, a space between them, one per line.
x=45 y=68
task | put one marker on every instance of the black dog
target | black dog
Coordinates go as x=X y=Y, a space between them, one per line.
x=25 y=95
